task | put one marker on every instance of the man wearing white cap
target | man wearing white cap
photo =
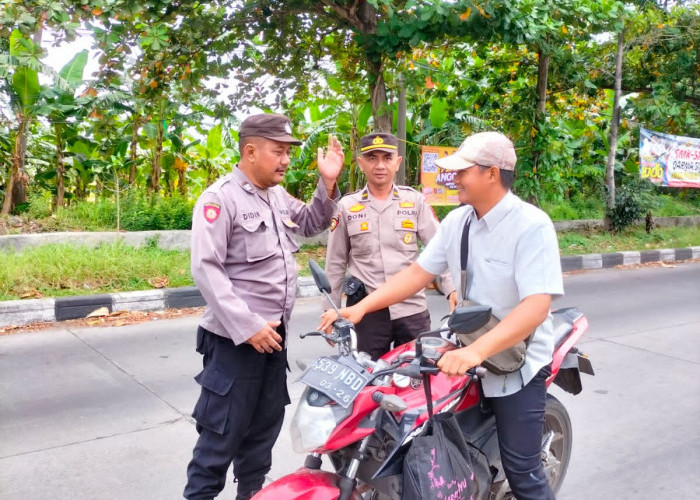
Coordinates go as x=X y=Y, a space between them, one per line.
x=513 y=266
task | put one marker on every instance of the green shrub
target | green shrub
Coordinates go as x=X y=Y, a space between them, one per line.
x=633 y=200
x=578 y=207
x=441 y=211
x=140 y=213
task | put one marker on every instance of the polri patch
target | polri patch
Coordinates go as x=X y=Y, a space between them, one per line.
x=334 y=222
x=211 y=211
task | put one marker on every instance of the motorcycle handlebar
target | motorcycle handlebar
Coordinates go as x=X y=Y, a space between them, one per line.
x=315 y=333
x=415 y=371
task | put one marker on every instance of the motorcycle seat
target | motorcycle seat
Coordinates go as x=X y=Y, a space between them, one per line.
x=563 y=322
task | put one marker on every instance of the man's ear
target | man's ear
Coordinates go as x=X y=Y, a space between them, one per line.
x=250 y=150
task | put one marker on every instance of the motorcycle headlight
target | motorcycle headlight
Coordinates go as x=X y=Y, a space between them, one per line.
x=312 y=424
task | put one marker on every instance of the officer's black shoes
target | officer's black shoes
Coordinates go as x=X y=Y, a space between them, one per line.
x=247 y=495
x=246 y=491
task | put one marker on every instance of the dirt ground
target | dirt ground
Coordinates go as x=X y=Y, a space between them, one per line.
x=118 y=318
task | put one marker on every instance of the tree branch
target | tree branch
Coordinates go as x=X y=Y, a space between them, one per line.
x=348 y=15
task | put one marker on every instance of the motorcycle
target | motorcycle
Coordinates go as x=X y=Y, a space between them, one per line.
x=363 y=414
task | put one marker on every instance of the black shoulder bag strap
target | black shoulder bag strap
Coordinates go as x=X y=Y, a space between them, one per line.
x=465 y=256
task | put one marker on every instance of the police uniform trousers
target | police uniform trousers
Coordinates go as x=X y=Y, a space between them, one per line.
x=519 y=423
x=377 y=331
x=239 y=415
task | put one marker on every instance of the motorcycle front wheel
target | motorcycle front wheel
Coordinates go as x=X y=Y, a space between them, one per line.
x=558 y=423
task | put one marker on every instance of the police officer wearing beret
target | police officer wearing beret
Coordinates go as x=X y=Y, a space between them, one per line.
x=242 y=261
x=375 y=235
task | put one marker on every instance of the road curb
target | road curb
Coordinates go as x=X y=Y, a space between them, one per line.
x=22 y=312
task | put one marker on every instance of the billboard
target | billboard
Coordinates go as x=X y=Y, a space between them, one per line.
x=438 y=186
x=669 y=160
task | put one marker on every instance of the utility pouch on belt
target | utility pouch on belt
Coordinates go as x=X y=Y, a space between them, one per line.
x=508 y=361
x=355 y=290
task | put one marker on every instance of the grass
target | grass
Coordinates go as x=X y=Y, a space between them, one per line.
x=632 y=239
x=593 y=207
x=65 y=269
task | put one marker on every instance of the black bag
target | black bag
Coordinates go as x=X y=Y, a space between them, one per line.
x=355 y=291
x=501 y=363
x=438 y=464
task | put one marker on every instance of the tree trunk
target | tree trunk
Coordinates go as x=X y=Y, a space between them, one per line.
x=542 y=77
x=132 y=148
x=60 y=167
x=540 y=108
x=182 y=187
x=612 y=137
x=401 y=131
x=157 y=155
x=17 y=181
x=377 y=91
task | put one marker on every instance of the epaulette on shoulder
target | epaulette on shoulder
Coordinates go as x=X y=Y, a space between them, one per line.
x=407 y=188
x=220 y=182
x=348 y=196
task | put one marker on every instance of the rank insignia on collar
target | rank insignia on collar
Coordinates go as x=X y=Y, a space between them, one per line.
x=395 y=193
x=334 y=222
x=357 y=208
x=408 y=238
x=248 y=187
x=407 y=204
x=211 y=211
x=364 y=226
x=407 y=224
x=365 y=196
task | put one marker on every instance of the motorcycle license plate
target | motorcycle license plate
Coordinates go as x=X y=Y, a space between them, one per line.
x=335 y=379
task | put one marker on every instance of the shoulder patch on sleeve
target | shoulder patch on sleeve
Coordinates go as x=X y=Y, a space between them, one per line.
x=334 y=222
x=211 y=211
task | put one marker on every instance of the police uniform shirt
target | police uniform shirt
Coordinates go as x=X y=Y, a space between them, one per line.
x=513 y=253
x=242 y=251
x=374 y=240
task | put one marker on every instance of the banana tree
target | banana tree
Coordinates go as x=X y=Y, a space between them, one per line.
x=63 y=109
x=176 y=159
x=24 y=91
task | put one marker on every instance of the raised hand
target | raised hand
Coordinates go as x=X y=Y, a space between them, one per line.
x=330 y=164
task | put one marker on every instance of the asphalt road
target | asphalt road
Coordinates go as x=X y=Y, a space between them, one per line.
x=103 y=413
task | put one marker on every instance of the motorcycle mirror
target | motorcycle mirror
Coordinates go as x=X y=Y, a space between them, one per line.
x=466 y=319
x=320 y=277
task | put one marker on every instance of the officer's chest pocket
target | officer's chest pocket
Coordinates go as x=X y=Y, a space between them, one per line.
x=289 y=228
x=406 y=233
x=362 y=241
x=261 y=242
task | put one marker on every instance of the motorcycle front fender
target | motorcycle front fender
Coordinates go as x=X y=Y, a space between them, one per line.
x=309 y=484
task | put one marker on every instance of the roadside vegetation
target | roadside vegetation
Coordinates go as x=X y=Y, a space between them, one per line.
x=63 y=270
